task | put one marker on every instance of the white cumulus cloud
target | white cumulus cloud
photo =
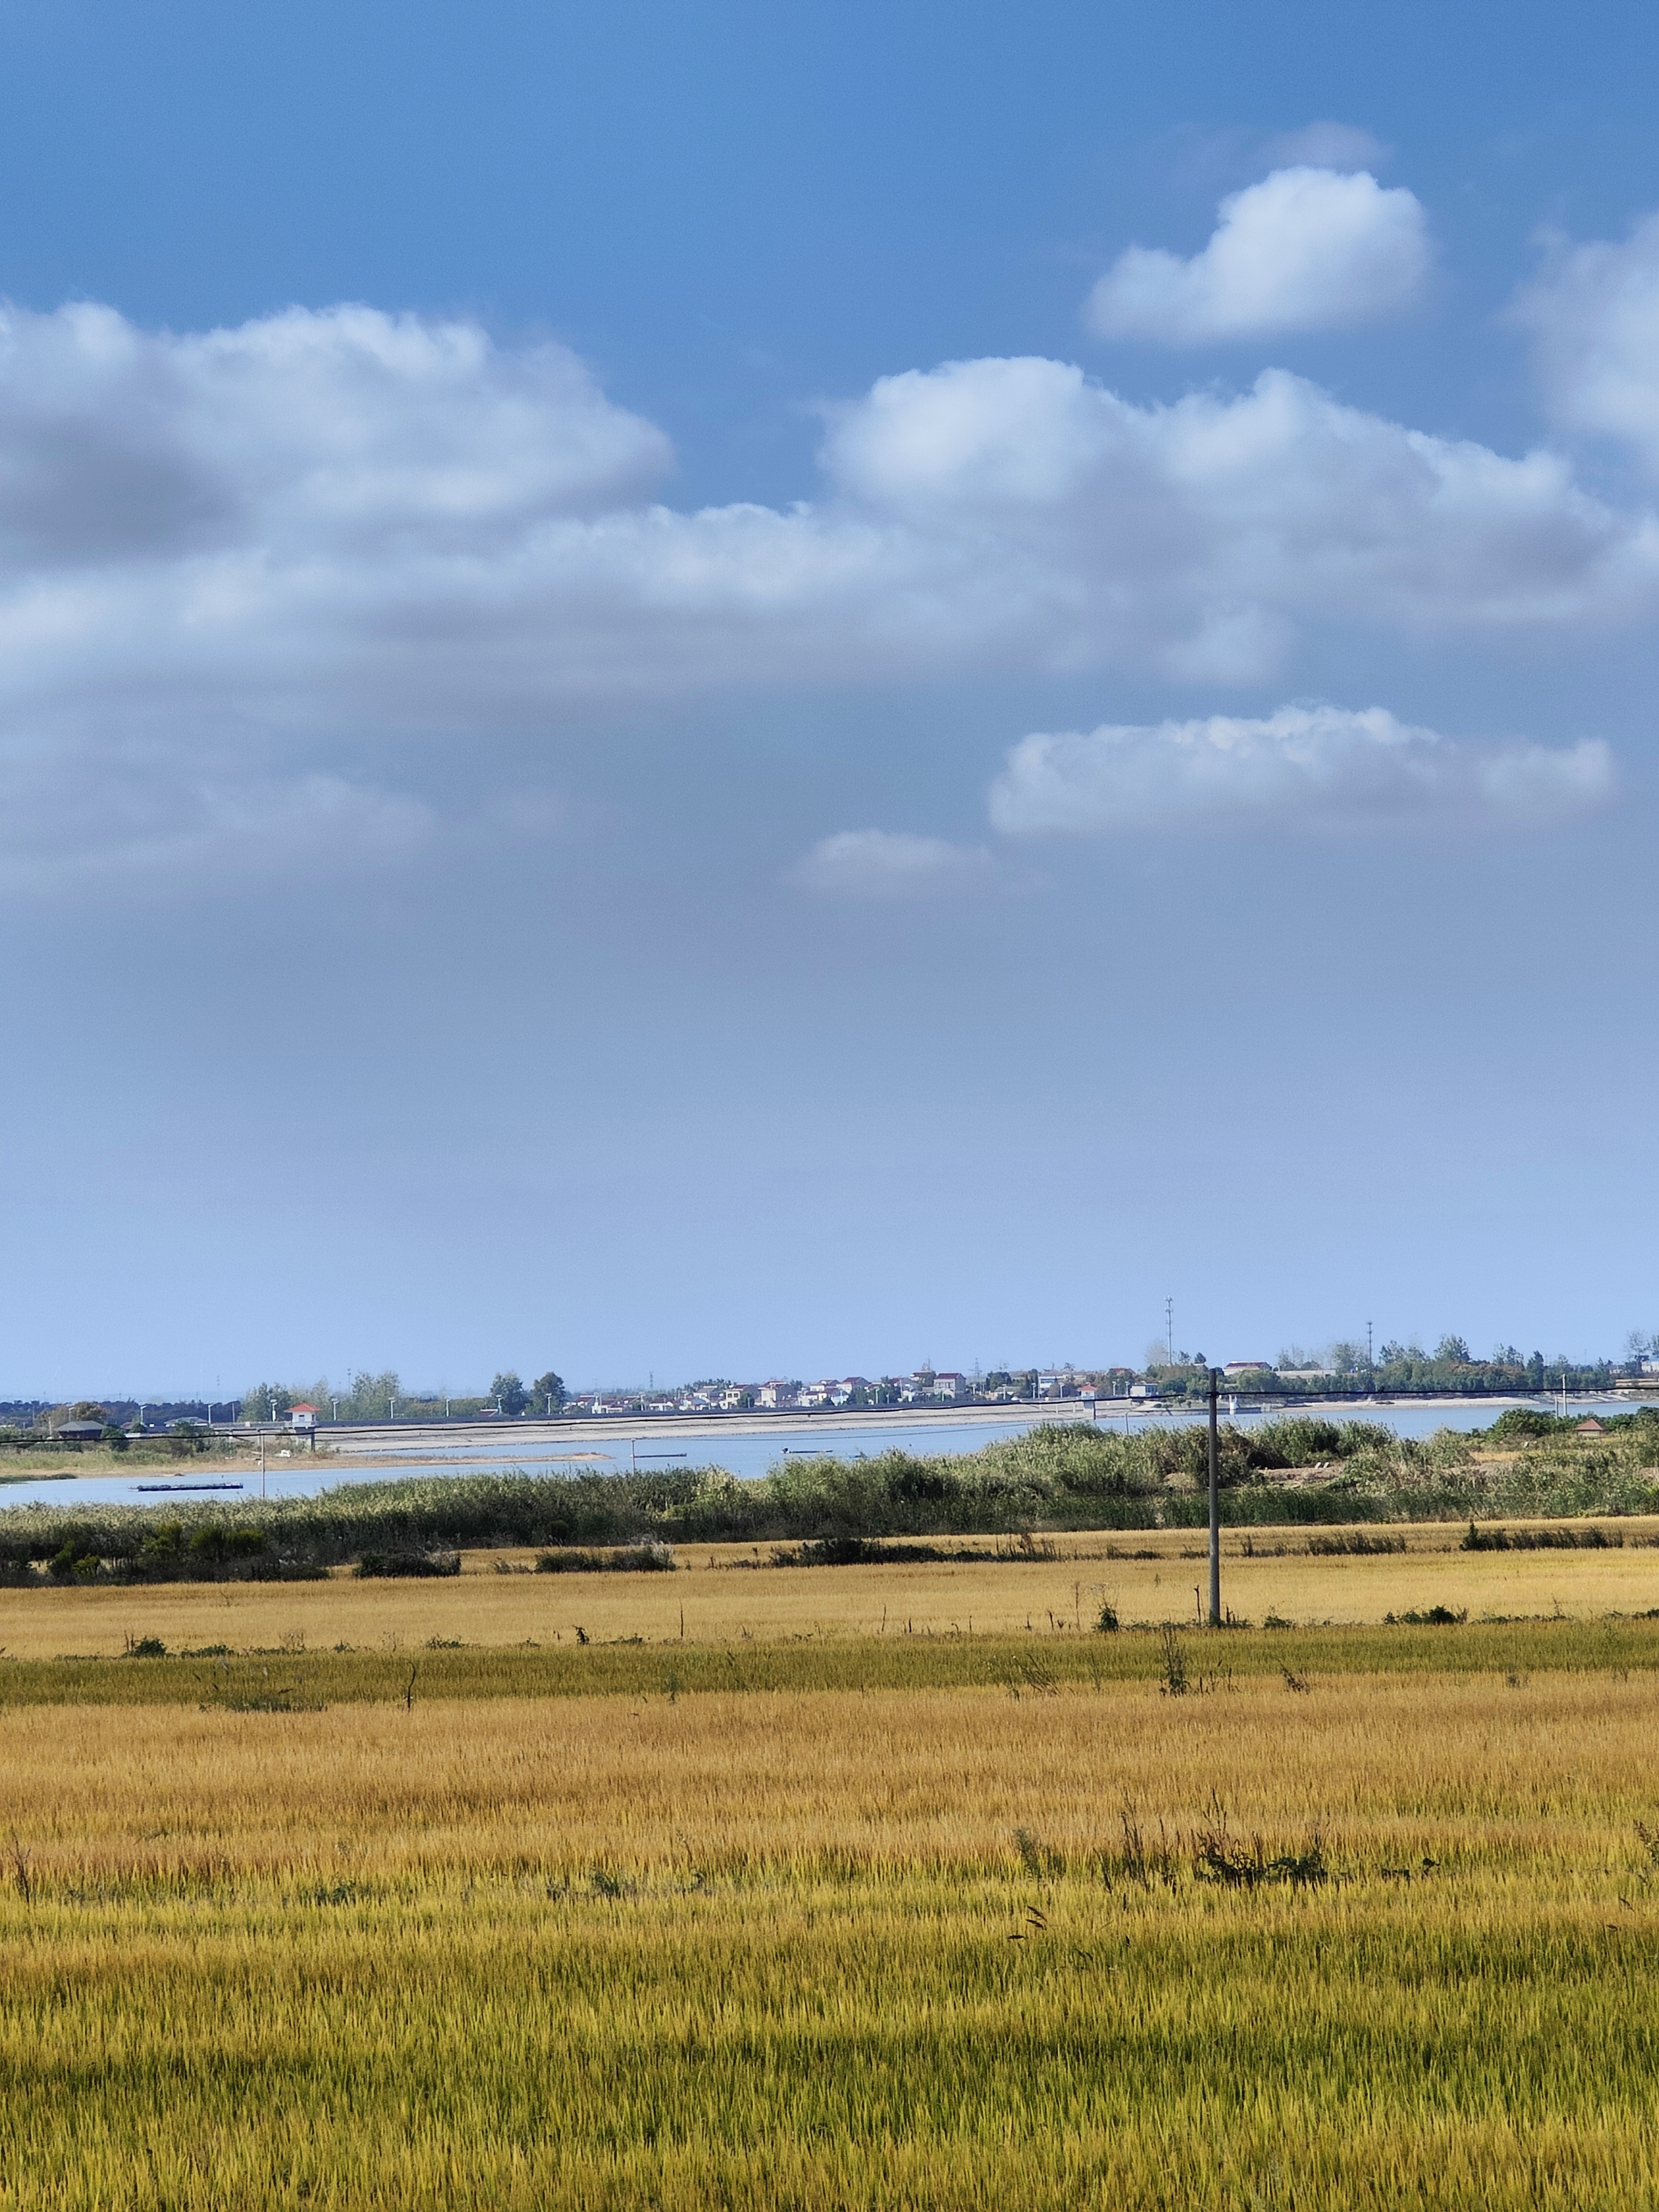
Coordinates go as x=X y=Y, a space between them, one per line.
x=349 y=518
x=1026 y=505
x=1317 y=766
x=1306 y=249
x=1593 y=316
x=888 y=864
x=230 y=561
x=346 y=431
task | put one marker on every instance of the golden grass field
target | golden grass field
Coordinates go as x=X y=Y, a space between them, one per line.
x=727 y=1595
x=870 y=1947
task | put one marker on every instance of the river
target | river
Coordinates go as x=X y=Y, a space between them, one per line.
x=746 y=1449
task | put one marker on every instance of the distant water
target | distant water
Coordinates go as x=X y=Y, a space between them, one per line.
x=747 y=1454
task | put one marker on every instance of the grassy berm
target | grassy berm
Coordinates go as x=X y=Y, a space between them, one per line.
x=1134 y=1922
x=1070 y=1476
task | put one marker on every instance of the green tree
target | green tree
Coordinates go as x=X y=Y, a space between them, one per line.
x=266 y=1402
x=372 y=1396
x=548 y=1392
x=509 y=1393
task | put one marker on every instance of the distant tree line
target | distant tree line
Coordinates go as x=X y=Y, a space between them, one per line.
x=382 y=1397
x=1451 y=1370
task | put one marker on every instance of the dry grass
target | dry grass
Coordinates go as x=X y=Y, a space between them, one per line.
x=1466 y=1770
x=755 y=1952
x=727 y=1595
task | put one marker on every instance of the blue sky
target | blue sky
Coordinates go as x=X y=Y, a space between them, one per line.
x=744 y=690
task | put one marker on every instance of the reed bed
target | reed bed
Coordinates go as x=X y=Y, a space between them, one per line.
x=1303 y=1471
x=922 y=1949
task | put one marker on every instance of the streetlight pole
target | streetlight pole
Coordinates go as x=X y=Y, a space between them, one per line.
x=1215 y=1506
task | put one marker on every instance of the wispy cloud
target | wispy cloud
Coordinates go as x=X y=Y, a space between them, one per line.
x=172 y=819
x=1593 y=312
x=887 y=863
x=1306 y=249
x=1327 y=146
x=1302 y=767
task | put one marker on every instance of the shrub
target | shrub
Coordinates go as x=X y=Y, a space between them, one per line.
x=630 y=1559
x=387 y=1564
x=1540 y=1540
x=70 y=1564
x=1528 y=1423
x=217 y=1541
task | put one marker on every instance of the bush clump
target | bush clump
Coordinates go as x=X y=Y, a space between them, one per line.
x=629 y=1560
x=384 y=1565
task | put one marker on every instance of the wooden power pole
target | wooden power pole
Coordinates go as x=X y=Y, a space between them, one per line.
x=1215 y=1506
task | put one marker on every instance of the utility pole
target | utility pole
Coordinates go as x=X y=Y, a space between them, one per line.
x=1215 y=1507
x=1169 y=1328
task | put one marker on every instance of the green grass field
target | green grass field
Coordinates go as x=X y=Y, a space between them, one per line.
x=1364 y=1917
x=303 y=1679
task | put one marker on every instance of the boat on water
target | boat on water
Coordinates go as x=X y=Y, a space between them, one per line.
x=187 y=1485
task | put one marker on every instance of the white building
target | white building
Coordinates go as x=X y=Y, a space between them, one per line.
x=774 y=1395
